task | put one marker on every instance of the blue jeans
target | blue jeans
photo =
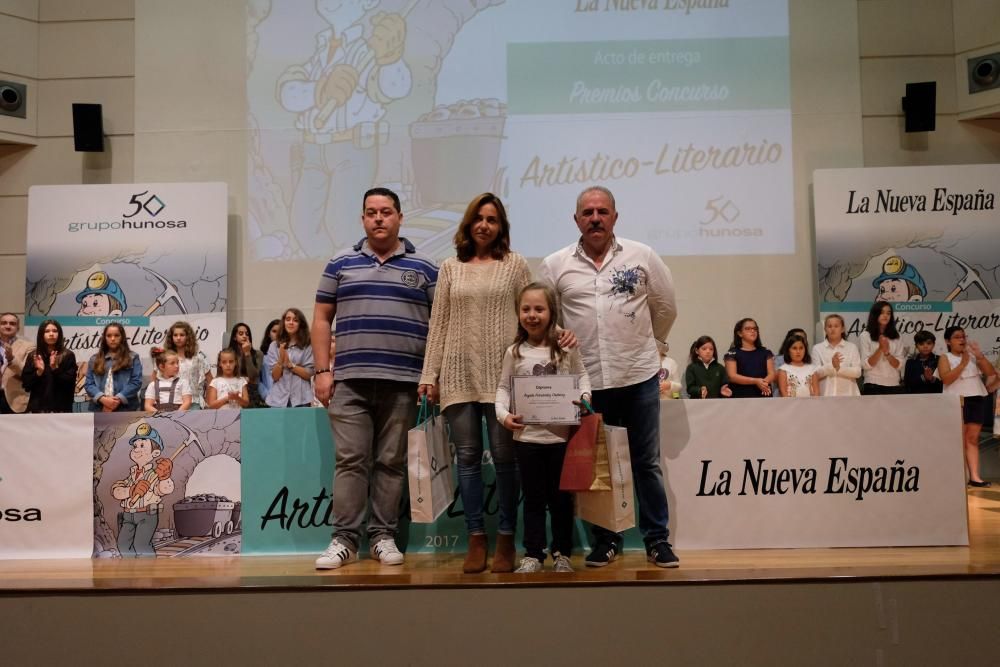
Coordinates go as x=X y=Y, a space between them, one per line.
x=637 y=408
x=466 y=423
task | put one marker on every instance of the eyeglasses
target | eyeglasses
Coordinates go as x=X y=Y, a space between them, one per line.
x=750 y=328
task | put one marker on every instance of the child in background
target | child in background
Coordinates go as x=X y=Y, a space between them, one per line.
x=881 y=351
x=248 y=361
x=228 y=389
x=195 y=368
x=838 y=359
x=290 y=359
x=962 y=370
x=705 y=377
x=920 y=375
x=114 y=373
x=798 y=377
x=49 y=373
x=670 y=374
x=749 y=365
x=267 y=340
x=540 y=450
x=780 y=359
x=168 y=391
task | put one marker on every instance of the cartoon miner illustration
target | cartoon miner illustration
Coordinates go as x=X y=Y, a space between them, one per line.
x=899 y=281
x=339 y=96
x=103 y=296
x=140 y=493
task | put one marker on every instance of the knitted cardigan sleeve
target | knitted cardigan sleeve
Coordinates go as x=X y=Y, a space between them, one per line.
x=438 y=330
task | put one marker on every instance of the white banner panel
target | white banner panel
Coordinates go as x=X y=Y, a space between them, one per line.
x=46 y=486
x=822 y=472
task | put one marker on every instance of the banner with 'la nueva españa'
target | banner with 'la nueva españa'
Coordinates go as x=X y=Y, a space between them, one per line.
x=922 y=238
x=143 y=254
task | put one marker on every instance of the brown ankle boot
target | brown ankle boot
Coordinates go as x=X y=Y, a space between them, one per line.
x=503 y=559
x=475 y=559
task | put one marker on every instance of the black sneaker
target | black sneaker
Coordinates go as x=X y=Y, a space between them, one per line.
x=662 y=555
x=603 y=553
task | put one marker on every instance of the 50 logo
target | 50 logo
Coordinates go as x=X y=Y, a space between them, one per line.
x=152 y=204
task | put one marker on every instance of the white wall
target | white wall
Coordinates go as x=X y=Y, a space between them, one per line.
x=66 y=52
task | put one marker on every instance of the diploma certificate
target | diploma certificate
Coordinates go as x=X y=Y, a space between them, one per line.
x=545 y=399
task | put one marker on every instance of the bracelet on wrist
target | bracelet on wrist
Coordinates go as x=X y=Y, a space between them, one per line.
x=322 y=370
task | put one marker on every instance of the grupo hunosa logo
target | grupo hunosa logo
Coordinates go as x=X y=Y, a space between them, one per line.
x=141 y=202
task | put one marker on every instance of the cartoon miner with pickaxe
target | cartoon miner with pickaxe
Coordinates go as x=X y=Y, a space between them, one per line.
x=140 y=493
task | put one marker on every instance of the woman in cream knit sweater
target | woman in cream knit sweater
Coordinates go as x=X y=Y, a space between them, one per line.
x=473 y=321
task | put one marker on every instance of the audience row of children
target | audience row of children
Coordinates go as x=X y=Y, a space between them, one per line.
x=276 y=375
x=834 y=366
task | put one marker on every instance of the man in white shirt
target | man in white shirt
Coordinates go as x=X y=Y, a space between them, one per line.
x=617 y=296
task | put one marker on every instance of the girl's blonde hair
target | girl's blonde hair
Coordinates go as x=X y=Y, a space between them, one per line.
x=551 y=335
x=161 y=356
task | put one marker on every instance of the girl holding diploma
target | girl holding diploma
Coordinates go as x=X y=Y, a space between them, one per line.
x=540 y=449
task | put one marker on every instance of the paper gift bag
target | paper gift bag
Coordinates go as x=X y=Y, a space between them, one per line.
x=611 y=509
x=585 y=467
x=428 y=466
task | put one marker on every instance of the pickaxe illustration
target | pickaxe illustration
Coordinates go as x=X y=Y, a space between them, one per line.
x=169 y=292
x=192 y=437
x=970 y=278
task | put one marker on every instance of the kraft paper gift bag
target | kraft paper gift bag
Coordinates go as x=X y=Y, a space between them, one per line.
x=428 y=465
x=611 y=509
x=585 y=467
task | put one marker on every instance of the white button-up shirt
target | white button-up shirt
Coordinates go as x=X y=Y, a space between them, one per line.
x=834 y=382
x=618 y=311
x=882 y=373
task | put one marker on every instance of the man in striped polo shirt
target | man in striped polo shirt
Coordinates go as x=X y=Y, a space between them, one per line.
x=381 y=292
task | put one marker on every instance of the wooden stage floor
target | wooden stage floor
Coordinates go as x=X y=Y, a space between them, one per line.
x=980 y=559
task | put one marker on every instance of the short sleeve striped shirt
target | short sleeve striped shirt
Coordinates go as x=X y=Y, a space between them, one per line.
x=383 y=309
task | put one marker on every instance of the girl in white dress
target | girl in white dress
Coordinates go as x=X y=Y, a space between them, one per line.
x=228 y=390
x=798 y=377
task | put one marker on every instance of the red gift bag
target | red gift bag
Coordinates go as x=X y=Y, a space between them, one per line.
x=585 y=467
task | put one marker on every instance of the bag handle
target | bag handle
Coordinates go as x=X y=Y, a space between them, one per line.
x=587 y=405
x=422 y=412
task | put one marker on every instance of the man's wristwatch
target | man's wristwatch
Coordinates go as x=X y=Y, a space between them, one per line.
x=322 y=370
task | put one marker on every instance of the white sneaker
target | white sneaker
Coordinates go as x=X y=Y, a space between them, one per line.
x=562 y=564
x=335 y=555
x=386 y=552
x=529 y=565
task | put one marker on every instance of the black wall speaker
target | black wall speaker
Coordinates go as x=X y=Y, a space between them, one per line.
x=919 y=106
x=88 y=128
x=984 y=72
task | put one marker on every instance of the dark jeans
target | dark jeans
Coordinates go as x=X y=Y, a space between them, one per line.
x=465 y=421
x=637 y=408
x=540 y=466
